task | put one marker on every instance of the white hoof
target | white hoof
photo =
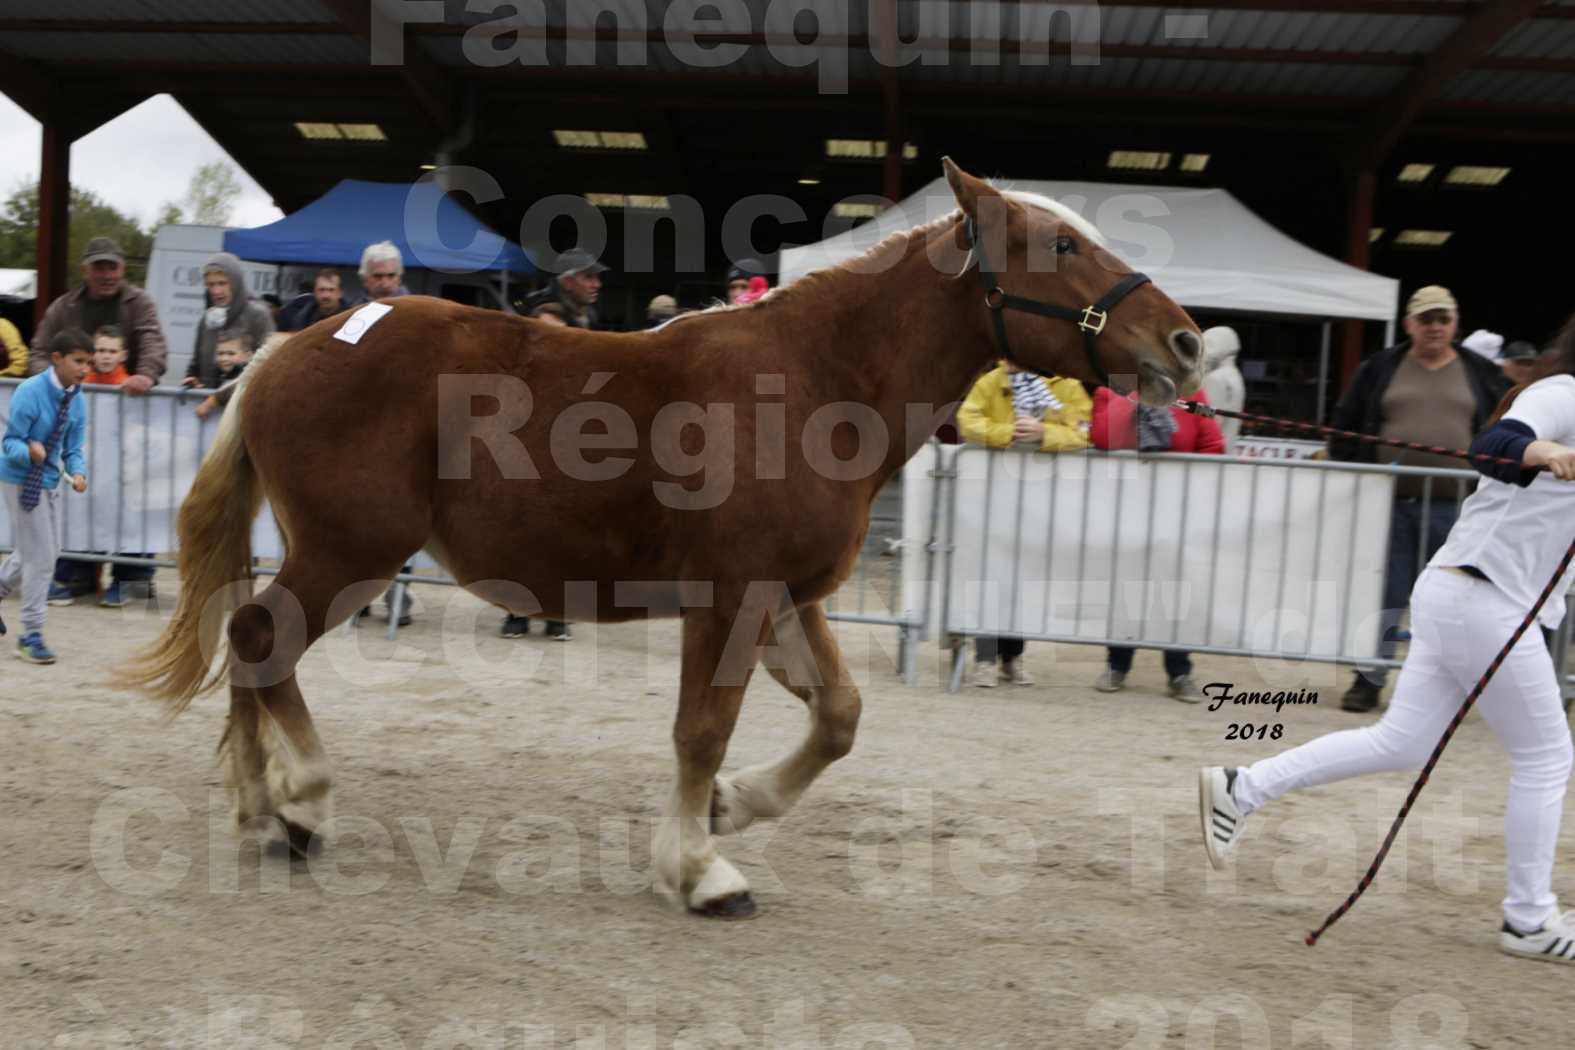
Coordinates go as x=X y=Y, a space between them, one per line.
x=722 y=893
x=301 y=793
x=730 y=814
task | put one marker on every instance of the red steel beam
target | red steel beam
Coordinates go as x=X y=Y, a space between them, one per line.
x=54 y=217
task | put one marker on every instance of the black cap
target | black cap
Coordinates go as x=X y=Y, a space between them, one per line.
x=1519 y=350
x=578 y=260
x=744 y=269
x=102 y=249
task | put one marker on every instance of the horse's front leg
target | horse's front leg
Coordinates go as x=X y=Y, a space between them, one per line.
x=808 y=663
x=689 y=871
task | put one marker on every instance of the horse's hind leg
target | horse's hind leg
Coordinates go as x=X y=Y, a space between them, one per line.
x=277 y=761
x=244 y=759
x=811 y=668
x=689 y=871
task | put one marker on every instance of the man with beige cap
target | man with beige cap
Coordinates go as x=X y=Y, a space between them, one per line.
x=1425 y=390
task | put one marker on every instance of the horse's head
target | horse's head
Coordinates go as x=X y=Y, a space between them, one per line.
x=1062 y=304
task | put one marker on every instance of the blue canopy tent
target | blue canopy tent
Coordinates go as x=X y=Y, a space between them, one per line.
x=430 y=228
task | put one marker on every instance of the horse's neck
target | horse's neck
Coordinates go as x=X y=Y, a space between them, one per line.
x=909 y=340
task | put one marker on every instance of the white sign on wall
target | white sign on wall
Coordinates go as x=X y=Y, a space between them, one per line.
x=1275 y=448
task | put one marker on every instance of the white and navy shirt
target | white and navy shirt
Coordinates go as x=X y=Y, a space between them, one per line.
x=1517 y=534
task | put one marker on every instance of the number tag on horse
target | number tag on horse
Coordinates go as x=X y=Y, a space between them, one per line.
x=360 y=321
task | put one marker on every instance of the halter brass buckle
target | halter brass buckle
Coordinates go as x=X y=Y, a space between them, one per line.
x=1093 y=320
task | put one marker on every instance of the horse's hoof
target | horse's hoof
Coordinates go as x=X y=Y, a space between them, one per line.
x=733 y=907
x=303 y=841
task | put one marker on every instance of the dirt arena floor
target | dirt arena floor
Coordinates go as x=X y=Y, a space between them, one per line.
x=1018 y=867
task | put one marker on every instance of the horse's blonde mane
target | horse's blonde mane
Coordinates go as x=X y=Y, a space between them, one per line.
x=1059 y=210
x=898 y=243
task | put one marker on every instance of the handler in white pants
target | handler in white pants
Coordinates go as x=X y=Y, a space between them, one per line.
x=1476 y=591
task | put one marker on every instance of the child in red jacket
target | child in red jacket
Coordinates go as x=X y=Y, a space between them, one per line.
x=1125 y=423
x=1122 y=422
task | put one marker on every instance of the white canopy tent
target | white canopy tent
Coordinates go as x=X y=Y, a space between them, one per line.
x=1202 y=247
x=18 y=284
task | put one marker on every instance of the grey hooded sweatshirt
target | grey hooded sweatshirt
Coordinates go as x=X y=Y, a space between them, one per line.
x=243 y=314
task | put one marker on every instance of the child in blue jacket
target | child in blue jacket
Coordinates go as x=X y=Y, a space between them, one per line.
x=43 y=441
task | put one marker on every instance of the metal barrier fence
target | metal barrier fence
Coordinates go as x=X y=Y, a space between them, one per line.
x=143 y=454
x=925 y=545
x=1283 y=559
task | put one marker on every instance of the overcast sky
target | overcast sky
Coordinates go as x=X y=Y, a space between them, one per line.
x=136 y=162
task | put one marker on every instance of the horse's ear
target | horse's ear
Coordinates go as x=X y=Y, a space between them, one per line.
x=966 y=188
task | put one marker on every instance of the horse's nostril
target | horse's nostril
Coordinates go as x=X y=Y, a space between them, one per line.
x=1186 y=344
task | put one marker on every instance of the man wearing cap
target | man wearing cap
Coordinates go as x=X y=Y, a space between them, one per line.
x=577 y=287
x=1518 y=360
x=1423 y=390
x=106 y=298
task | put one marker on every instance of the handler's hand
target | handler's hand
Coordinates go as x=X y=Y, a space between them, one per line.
x=1559 y=459
x=36 y=452
x=136 y=386
x=78 y=483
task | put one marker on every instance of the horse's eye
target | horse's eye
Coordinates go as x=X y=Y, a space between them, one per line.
x=1065 y=246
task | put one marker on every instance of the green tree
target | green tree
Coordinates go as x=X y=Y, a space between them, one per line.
x=211 y=196
x=170 y=216
x=90 y=217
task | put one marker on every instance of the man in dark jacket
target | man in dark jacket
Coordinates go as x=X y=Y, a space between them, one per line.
x=1426 y=391
x=326 y=299
x=577 y=286
x=106 y=298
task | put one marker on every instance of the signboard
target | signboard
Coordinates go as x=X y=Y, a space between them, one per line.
x=1275 y=448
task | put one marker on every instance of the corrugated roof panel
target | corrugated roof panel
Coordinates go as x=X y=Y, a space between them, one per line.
x=1544 y=39
x=172 y=10
x=1508 y=88
x=1135 y=25
x=1246 y=78
x=185 y=47
x=1312 y=31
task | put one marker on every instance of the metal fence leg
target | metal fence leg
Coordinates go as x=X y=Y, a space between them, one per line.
x=396 y=605
x=959 y=663
x=908 y=654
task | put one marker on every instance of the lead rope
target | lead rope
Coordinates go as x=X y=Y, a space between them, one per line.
x=1198 y=408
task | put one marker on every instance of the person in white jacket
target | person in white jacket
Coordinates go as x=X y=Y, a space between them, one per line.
x=1222 y=380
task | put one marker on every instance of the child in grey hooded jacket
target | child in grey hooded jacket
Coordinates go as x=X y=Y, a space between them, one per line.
x=229 y=307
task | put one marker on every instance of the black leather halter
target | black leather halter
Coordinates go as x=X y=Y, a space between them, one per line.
x=1090 y=319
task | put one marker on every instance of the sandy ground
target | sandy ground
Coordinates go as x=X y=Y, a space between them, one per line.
x=1009 y=868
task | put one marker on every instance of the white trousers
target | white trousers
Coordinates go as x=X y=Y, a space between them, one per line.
x=1458 y=624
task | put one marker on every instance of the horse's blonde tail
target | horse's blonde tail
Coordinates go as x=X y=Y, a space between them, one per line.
x=215 y=537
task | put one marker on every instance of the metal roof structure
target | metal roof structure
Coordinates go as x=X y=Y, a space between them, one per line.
x=1290 y=99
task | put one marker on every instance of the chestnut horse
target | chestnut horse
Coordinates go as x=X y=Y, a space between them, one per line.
x=368 y=451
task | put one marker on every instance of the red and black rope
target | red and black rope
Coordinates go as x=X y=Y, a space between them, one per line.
x=1200 y=409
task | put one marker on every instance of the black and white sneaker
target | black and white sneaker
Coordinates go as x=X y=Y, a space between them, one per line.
x=1221 y=817
x=1555 y=942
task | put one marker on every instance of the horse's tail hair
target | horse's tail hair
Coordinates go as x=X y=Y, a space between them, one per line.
x=214 y=531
